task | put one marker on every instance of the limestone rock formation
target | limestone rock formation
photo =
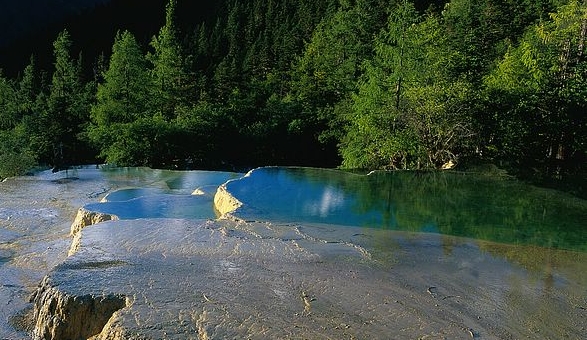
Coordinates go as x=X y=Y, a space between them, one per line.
x=186 y=278
x=225 y=202
x=198 y=279
x=59 y=315
x=85 y=218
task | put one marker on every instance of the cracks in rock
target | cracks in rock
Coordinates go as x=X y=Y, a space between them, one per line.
x=200 y=323
x=92 y=265
x=307 y=300
x=273 y=232
x=58 y=315
x=361 y=250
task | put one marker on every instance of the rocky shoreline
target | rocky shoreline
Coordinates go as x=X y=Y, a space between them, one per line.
x=174 y=278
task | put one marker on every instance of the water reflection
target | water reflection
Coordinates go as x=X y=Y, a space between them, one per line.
x=469 y=205
x=162 y=193
x=144 y=181
x=158 y=206
x=529 y=284
x=131 y=193
x=458 y=204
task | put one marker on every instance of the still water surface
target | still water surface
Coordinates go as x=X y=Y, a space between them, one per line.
x=174 y=194
x=510 y=256
x=537 y=232
x=468 y=205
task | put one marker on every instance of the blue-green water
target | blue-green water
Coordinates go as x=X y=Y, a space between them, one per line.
x=159 y=206
x=531 y=269
x=162 y=181
x=469 y=205
x=163 y=193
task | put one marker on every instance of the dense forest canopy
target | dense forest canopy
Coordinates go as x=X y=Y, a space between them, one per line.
x=357 y=84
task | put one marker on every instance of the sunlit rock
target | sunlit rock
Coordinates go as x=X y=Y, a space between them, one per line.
x=448 y=165
x=225 y=202
x=198 y=192
x=85 y=218
x=207 y=190
x=182 y=279
x=307 y=270
x=225 y=279
x=59 y=315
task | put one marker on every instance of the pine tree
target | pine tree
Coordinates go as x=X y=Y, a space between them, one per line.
x=124 y=95
x=8 y=104
x=328 y=70
x=28 y=89
x=409 y=111
x=67 y=109
x=377 y=135
x=170 y=76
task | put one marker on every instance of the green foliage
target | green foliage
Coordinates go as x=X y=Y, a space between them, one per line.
x=15 y=157
x=8 y=109
x=481 y=30
x=125 y=93
x=147 y=141
x=409 y=112
x=401 y=84
x=543 y=79
x=439 y=115
x=169 y=74
x=327 y=71
x=65 y=111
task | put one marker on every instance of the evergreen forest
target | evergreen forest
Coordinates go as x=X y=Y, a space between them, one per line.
x=354 y=84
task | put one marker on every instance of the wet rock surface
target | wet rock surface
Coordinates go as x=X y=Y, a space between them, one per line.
x=177 y=278
x=229 y=280
x=36 y=213
x=36 y=217
x=202 y=279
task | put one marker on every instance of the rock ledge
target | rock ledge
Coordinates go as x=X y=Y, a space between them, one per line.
x=62 y=316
